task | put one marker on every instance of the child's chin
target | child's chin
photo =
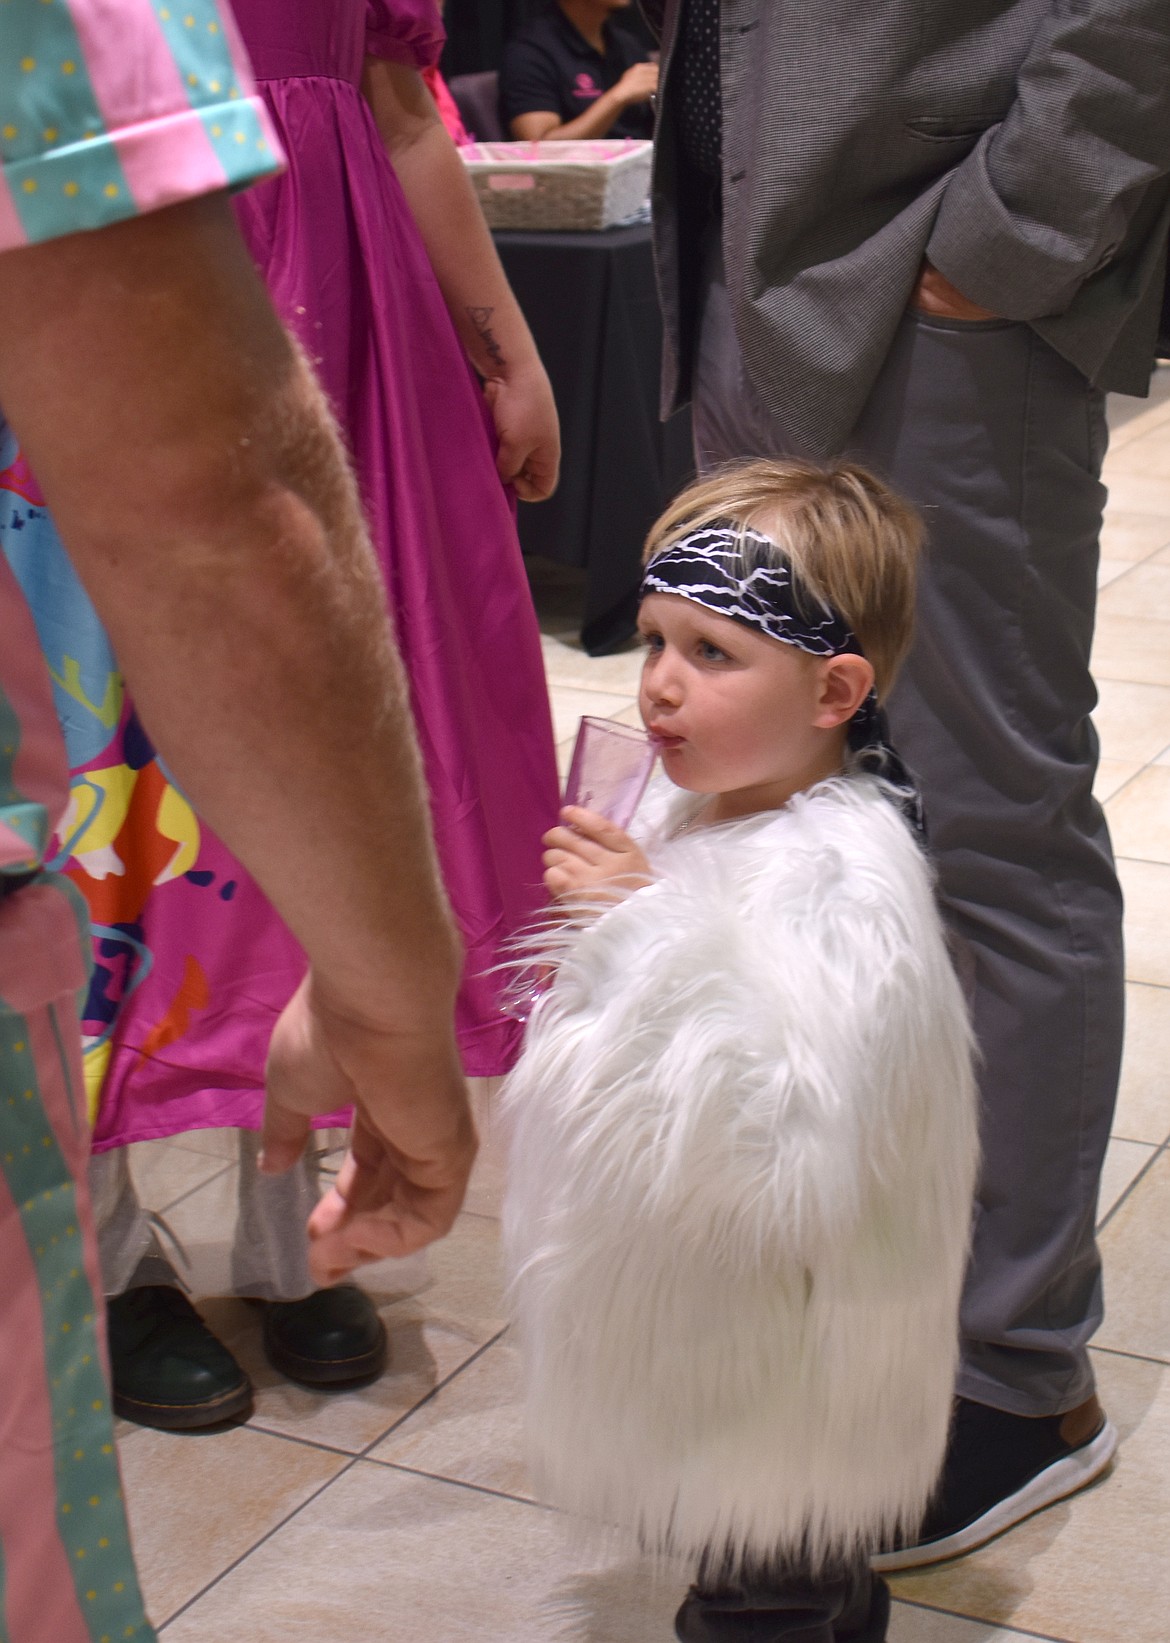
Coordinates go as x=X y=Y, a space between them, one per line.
x=675 y=771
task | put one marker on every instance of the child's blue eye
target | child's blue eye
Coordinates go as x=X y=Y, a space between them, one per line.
x=651 y=641
x=712 y=653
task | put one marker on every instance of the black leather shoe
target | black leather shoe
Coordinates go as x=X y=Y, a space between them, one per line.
x=851 y=1608
x=169 y=1370
x=332 y=1338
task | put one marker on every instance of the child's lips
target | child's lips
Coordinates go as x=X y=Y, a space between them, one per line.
x=663 y=739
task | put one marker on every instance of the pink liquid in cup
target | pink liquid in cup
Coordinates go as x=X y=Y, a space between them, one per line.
x=611 y=766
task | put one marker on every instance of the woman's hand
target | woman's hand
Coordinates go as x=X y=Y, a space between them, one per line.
x=591 y=859
x=525 y=415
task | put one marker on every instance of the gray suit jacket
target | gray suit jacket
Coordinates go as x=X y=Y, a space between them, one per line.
x=1022 y=145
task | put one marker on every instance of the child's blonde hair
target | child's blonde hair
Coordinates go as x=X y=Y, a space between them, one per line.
x=849 y=541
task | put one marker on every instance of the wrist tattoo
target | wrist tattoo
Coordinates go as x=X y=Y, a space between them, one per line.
x=480 y=318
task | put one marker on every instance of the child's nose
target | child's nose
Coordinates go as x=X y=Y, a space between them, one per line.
x=662 y=682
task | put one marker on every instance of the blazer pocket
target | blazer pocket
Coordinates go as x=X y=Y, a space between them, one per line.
x=952 y=128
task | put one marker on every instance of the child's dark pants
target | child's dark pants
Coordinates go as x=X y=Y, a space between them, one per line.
x=786 y=1606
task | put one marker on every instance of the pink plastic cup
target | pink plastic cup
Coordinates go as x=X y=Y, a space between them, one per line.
x=611 y=766
x=608 y=774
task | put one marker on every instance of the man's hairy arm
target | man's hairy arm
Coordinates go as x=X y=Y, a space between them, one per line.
x=192 y=468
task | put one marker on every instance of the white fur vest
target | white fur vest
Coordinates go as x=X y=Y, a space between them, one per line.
x=740 y=1187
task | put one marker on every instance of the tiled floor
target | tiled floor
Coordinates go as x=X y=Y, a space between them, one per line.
x=402 y=1512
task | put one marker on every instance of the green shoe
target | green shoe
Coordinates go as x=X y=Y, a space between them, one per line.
x=169 y=1370
x=333 y=1338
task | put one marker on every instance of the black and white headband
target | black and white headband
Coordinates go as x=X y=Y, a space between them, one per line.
x=712 y=567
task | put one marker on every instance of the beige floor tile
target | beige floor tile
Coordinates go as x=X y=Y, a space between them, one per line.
x=1130 y=416
x=1144 y=591
x=566 y=664
x=1133 y=721
x=569 y=706
x=471 y=1431
x=1127 y=647
x=1136 y=1248
x=385 y=1555
x=1143 y=1102
x=1139 y=816
x=1146 y=454
x=1147 y=921
x=1108 y=570
x=1092 y=1569
x=198 y=1502
x=163 y=1172
x=1124 y=1162
x=910 y=1623
x=1111 y=777
x=565 y=759
x=1140 y=493
x=1131 y=535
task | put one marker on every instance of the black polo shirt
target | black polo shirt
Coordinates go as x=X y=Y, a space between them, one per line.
x=549 y=67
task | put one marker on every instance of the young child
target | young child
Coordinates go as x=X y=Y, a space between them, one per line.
x=744 y=1147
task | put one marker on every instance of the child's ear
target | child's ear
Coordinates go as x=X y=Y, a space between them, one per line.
x=845 y=683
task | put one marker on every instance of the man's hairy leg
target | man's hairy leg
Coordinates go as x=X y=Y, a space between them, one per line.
x=198 y=482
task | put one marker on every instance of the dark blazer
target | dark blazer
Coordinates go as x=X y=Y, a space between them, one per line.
x=1022 y=145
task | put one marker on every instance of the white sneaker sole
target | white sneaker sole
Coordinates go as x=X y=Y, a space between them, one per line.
x=1055 y=1482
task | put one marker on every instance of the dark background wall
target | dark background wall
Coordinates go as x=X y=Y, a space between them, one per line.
x=477 y=29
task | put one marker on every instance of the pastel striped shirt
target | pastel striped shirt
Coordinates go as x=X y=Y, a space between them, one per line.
x=111 y=108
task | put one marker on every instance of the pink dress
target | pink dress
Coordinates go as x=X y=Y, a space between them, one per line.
x=342 y=258
x=192 y=964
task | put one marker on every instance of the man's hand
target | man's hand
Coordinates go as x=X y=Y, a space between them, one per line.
x=590 y=858
x=638 y=84
x=413 y=1140
x=525 y=415
x=934 y=294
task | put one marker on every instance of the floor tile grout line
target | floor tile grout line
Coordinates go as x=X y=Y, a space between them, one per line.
x=1137 y=1357
x=351 y=1460
x=433 y=1393
x=981 y=1620
x=1162 y=986
x=291 y=1437
x=462 y=1483
x=1158 y=1153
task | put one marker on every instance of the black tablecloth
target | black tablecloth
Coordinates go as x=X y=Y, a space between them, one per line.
x=591 y=303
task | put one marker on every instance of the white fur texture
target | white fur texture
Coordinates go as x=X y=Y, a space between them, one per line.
x=740 y=1188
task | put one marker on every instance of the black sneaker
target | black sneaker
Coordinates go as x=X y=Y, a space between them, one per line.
x=999 y=1469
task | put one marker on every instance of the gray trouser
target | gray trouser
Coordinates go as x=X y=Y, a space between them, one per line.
x=1000 y=442
x=270 y=1259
